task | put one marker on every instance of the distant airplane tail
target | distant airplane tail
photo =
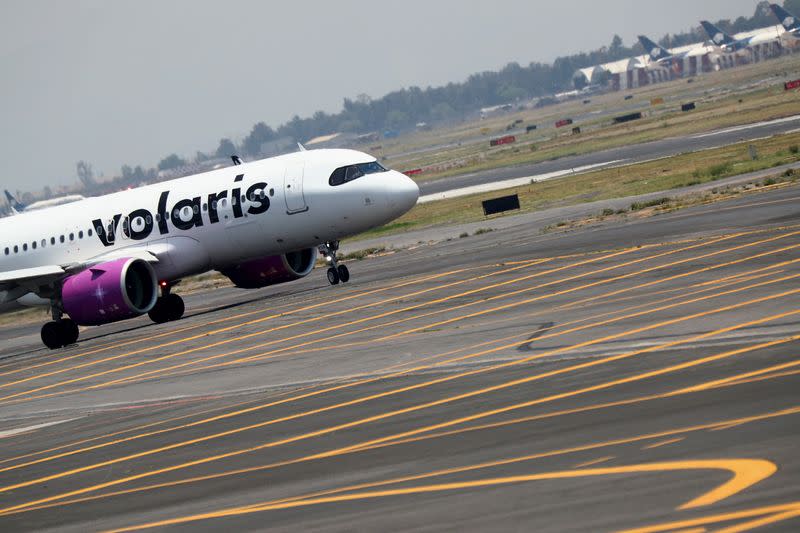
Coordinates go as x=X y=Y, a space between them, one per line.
x=654 y=50
x=789 y=22
x=717 y=36
x=16 y=206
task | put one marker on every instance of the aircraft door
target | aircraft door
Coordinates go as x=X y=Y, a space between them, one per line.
x=293 y=189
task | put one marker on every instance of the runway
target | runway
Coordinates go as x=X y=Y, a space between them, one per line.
x=623 y=155
x=629 y=376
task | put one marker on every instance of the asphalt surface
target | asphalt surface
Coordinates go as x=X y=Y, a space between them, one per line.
x=625 y=155
x=631 y=375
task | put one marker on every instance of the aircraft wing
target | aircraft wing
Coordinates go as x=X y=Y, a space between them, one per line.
x=25 y=274
x=16 y=283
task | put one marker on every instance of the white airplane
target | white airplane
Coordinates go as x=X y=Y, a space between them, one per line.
x=740 y=43
x=18 y=207
x=115 y=257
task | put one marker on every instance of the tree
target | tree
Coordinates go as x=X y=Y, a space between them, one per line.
x=170 y=162
x=85 y=174
x=226 y=148
x=616 y=50
x=260 y=134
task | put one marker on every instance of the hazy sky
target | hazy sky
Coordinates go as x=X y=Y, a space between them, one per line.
x=118 y=83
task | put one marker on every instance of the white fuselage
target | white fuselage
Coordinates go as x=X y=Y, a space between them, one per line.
x=212 y=220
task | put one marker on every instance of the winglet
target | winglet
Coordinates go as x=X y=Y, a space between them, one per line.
x=301 y=147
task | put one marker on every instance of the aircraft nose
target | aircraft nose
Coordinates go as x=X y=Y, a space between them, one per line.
x=403 y=192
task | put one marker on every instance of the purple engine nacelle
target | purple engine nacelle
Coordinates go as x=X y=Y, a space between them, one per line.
x=108 y=292
x=258 y=273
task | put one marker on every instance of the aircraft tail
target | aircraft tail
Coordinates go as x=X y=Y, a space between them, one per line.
x=789 y=22
x=717 y=36
x=16 y=206
x=654 y=50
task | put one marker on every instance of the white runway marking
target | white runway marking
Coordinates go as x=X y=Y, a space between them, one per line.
x=507 y=184
x=748 y=126
x=17 y=431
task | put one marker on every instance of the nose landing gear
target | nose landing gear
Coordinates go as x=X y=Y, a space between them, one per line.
x=336 y=272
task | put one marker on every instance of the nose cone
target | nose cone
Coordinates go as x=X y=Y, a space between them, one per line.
x=402 y=193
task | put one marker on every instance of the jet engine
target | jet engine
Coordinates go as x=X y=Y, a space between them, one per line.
x=108 y=292
x=272 y=270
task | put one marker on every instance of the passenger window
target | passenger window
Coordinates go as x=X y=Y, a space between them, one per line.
x=89 y=233
x=53 y=241
x=33 y=245
x=25 y=247
x=61 y=239
x=71 y=237
x=7 y=251
x=44 y=243
x=16 y=249
x=80 y=234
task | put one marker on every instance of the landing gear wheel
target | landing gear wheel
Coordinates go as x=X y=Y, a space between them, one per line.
x=70 y=331
x=333 y=276
x=52 y=335
x=344 y=274
x=336 y=272
x=168 y=308
x=175 y=306
x=158 y=313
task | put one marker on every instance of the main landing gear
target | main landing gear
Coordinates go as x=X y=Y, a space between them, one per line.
x=336 y=272
x=60 y=332
x=169 y=307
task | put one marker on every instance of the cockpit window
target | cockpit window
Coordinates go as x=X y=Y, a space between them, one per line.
x=353 y=172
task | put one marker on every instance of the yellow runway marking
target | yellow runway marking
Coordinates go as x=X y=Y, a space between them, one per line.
x=272 y=354
x=270 y=316
x=722 y=282
x=83 y=378
x=384 y=416
x=737 y=280
x=746 y=473
x=595 y=461
x=243 y=337
x=597 y=258
x=438 y=473
x=772 y=510
x=441 y=380
x=662 y=443
x=761 y=522
x=441 y=300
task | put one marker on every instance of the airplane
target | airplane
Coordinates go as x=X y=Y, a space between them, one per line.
x=729 y=44
x=17 y=207
x=789 y=22
x=658 y=54
x=115 y=257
